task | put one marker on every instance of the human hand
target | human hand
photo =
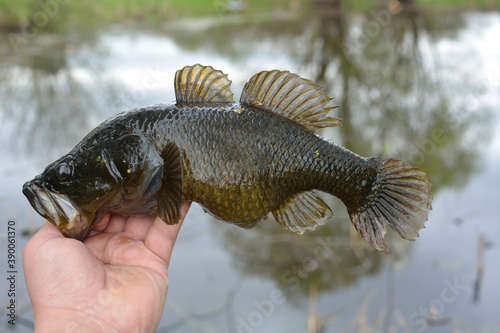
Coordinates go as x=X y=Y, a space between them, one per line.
x=115 y=281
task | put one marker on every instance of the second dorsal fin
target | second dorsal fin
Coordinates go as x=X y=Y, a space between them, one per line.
x=290 y=95
x=202 y=84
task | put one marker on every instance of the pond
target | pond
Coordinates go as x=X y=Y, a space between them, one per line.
x=420 y=86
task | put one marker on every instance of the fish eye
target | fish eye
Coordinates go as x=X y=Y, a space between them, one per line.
x=63 y=172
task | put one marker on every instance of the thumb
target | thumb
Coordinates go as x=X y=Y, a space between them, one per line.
x=47 y=232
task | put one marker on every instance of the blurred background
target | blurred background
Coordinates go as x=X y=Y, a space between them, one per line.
x=417 y=80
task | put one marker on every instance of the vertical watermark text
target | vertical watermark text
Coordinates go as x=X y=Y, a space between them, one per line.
x=11 y=272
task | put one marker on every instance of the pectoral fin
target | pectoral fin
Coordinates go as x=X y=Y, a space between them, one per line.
x=301 y=212
x=170 y=194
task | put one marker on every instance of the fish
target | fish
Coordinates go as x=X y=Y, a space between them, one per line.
x=241 y=161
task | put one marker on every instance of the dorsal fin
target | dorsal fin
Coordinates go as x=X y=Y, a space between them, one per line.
x=202 y=84
x=290 y=95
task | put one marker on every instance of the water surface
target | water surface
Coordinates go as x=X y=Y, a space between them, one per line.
x=420 y=87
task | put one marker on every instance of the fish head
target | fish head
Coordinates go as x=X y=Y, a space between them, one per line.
x=71 y=194
x=75 y=191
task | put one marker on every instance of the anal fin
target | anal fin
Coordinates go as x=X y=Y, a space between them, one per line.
x=302 y=212
x=170 y=194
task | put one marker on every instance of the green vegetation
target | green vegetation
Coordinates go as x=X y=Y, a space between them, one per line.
x=63 y=15
x=60 y=15
x=471 y=4
x=367 y=5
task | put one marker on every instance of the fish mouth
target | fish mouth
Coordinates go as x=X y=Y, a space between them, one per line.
x=58 y=209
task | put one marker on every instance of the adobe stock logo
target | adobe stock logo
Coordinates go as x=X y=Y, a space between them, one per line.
x=40 y=18
x=370 y=30
x=428 y=147
x=291 y=279
x=448 y=295
x=263 y=309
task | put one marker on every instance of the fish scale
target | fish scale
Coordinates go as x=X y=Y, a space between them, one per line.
x=291 y=168
x=240 y=161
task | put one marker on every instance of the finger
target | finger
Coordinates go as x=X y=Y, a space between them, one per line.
x=46 y=232
x=33 y=253
x=161 y=237
x=101 y=225
x=110 y=225
x=116 y=223
x=138 y=227
x=49 y=260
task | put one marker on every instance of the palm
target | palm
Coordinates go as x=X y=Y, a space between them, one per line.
x=116 y=279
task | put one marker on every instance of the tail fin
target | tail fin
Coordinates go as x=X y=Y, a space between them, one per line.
x=400 y=198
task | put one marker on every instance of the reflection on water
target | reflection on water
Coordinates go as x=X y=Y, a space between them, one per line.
x=389 y=93
x=329 y=258
x=390 y=73
x=52 y=95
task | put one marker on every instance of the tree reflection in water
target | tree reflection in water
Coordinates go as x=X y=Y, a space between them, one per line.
x=392 y=103
x=392 y=97
x=52 y=94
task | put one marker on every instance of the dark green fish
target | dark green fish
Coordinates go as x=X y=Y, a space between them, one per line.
x=240 y=161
